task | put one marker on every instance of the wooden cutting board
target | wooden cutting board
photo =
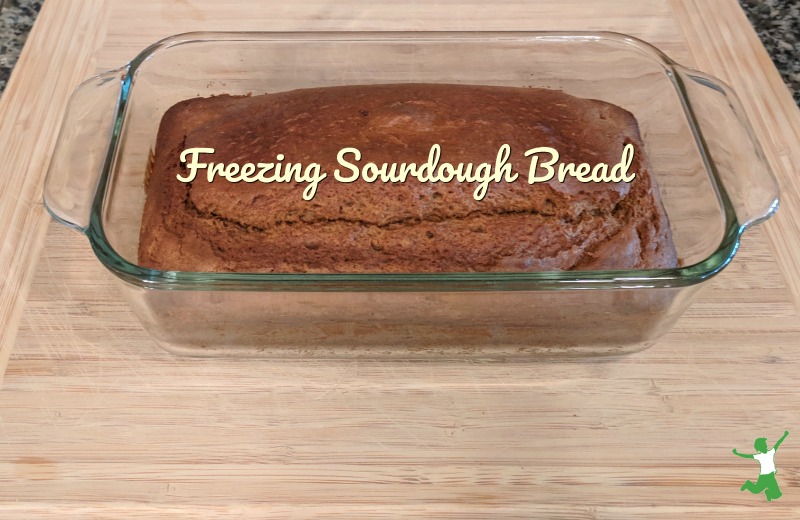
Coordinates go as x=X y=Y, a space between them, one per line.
x=97 y=422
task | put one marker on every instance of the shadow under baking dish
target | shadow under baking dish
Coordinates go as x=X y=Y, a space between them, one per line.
x=713 y=179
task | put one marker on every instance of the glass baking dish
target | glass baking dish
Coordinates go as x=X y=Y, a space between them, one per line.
x=713 y=179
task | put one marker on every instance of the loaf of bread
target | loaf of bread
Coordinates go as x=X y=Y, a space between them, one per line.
x=407 y=227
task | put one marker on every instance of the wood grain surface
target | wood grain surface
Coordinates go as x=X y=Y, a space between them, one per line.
x=97 y=422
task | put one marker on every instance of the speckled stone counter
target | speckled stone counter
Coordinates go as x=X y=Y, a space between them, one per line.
x=776 y=21
x=16 y=20
x=778 y=25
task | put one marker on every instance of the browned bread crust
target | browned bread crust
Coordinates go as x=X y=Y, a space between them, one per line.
x=408 y=227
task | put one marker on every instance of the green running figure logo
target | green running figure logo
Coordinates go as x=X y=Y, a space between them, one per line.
x=766 y=479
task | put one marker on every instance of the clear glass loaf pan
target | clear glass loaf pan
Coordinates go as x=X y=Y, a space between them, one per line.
x=713 y=179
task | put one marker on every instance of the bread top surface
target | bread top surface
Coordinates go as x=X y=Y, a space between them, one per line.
x=555 y=225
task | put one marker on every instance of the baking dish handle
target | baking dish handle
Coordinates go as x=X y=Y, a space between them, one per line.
x=735 y=155
x=82 y=149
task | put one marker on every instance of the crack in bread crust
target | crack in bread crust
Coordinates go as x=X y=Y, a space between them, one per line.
x=393 y=224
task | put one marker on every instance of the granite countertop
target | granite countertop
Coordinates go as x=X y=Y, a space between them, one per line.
x=776 y=21
x=16 y=20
